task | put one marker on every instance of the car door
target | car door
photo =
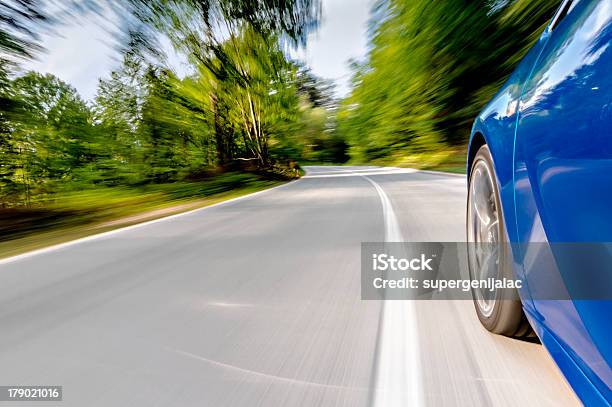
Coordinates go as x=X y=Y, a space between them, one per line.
x=563 y=175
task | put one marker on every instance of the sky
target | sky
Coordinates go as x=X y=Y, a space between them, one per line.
x=342 y=36
x=81 y=53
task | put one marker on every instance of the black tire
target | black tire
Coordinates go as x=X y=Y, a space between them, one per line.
x=504 y=314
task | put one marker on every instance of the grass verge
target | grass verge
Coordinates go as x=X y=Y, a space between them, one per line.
x=79 y=214
x=449 y=159
x=446 y=160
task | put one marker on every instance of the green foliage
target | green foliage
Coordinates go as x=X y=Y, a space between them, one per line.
x=245 y=108
x=47 y=139
x=76 y=214
x=431 y=67
x=198 y=25
x=18 y=23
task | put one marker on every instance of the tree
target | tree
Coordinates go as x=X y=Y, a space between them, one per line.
x=214 y=34
x=19 y=21
x=431 y=67
x=49 y=134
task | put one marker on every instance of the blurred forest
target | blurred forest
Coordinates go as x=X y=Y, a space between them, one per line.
x=247 y=108
x=431 y=67
x=152 y=143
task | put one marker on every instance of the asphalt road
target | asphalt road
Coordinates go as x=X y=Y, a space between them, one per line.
x=256 y=302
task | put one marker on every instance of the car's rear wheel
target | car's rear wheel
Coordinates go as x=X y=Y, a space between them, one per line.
x=489 y=255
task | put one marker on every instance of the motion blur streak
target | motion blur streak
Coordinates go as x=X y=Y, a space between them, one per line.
x=263 y=375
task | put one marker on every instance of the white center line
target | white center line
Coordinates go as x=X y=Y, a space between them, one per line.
x=398 y=380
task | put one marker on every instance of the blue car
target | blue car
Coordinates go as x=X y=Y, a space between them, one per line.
x=540 y=174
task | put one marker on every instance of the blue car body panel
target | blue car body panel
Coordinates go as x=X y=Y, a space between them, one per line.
x=581 y=384
x=549 y=130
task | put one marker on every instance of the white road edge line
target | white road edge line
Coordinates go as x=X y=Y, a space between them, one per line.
x=102 y=235
x=398 y=380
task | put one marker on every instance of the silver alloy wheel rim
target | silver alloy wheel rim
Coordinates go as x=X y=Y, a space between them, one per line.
x=483 y=234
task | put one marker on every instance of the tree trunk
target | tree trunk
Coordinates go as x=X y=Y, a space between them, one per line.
x=223 y=134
